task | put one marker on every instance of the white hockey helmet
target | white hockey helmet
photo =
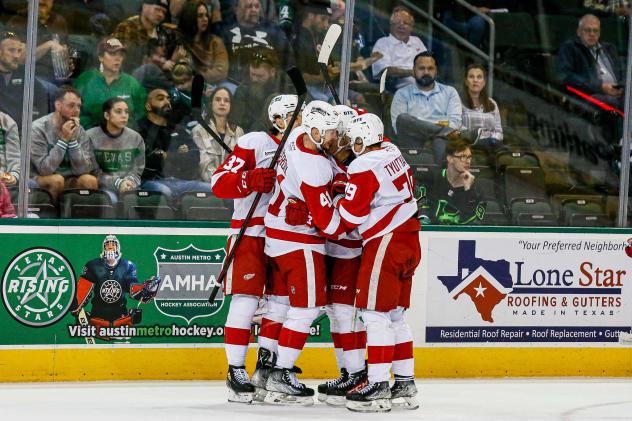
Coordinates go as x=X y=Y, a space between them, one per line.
x=111 y=250
x=346 y=114
x=281 y=106
x=321 y=116
x=365 y=130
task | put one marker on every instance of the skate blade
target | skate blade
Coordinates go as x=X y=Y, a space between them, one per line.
x=336 y=400
x=280 y=398
x=260 y=394
x=378 y=405
x=409 y=403
x=625 y=338
x=239 y=397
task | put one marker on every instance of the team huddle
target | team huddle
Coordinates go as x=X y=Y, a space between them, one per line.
x=336 y=226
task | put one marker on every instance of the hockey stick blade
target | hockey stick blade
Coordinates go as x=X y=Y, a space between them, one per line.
x=383 y=81
x=333 y=33
x=301 y=89
x=197 y=90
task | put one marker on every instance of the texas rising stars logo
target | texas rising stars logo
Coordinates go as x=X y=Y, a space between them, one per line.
x=486 y=282
x=38 y=287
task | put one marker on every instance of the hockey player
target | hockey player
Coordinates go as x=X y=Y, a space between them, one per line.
x=343 y=262
x=379 y=201
x=298 y=252
x=243 y=174
x=108 y=279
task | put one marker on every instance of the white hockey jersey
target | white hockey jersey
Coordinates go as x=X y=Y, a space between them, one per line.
x=253 y=150
x=350 y=244
x=379 y=195
x=306 y=175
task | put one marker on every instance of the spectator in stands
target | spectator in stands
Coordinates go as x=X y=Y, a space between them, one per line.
x=119 y=151
x=606 y=7
x=481 y=117
x=462 y=21
x=55 y=60
x=182 y=78
x=61 y=153
x=211 y=153
x=396 y=51
x=454 y=197
x=427 y=109
x=247 y=35
x=98 y=85
x=136 y=31
x=205 y=51
x=172 y=158
x=264 y=80
x=215 y=15
x=9 y=150
x=12 y=80
x=314 y=24
x=592 y=66
x=7 y=210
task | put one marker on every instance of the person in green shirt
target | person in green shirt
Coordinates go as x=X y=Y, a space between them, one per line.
x=99 y=85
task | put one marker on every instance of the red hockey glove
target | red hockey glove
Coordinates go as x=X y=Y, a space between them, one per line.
x=296 y=212
x=260 y=180
x=339 y=185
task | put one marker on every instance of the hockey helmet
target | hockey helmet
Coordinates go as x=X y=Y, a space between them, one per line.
x=281 y=106
x=365 y=130
x=346 y=114
x=321 y=116
x=111 y=250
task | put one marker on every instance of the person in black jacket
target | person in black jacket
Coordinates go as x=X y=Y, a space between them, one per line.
x=172 y=158
x=591 y=66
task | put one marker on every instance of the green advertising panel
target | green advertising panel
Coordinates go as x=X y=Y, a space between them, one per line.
x=45 y=277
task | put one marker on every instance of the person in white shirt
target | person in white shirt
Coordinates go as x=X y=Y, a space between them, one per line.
x=397 y=50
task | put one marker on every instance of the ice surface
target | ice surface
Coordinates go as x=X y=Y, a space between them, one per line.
x=446 y=399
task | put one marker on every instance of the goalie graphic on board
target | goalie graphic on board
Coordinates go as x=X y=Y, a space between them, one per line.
x=105 y=283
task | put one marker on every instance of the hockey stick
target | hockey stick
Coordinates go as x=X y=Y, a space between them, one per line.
x=197 y=88
x=301 y=90
x=333 y=33
x=83 y=321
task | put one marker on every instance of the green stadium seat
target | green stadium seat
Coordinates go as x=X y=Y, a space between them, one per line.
x=86 y=203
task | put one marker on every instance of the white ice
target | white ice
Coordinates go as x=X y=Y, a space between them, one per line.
x=447 y=399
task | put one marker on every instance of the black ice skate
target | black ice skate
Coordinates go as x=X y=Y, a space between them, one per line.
x=239 y=387
x=338 y=394
x=374 y=397
x=323 y=389
x=265 y=364
x=284 y=389
x=403 y=393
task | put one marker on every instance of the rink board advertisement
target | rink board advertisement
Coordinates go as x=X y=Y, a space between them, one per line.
x=512 y=289
x=40 y=284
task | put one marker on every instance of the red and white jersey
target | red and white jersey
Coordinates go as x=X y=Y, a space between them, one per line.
x=379 y=195
x=350 y=244
x=306 y=175
x=253 y=150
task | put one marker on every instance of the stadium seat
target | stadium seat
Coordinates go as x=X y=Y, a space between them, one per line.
x=514 y=31
x=582 y=205
x=523 y=183
x=494 y=214
x=202 y=206
x=515 y=158
x=531 y=211
x=558 y=181
x=416 y=156
x=86 y=203
x=425 y=175
x=145 y=204
x=41 y=204
x=586 y=220
x=555 y=29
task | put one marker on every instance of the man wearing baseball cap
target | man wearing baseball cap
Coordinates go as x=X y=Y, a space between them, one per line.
x=136 y=31
x=98 y=85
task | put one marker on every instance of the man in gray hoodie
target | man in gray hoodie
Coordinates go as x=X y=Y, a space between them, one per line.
x=61 y=153
x=9 y=150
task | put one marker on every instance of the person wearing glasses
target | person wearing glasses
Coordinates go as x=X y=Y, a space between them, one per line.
x=454 y=198
x=396 y=51
x=590 y=65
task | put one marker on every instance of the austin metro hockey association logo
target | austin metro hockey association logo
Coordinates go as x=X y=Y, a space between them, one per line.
x=485 y=282
x=38 y=287
x=188 y=276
